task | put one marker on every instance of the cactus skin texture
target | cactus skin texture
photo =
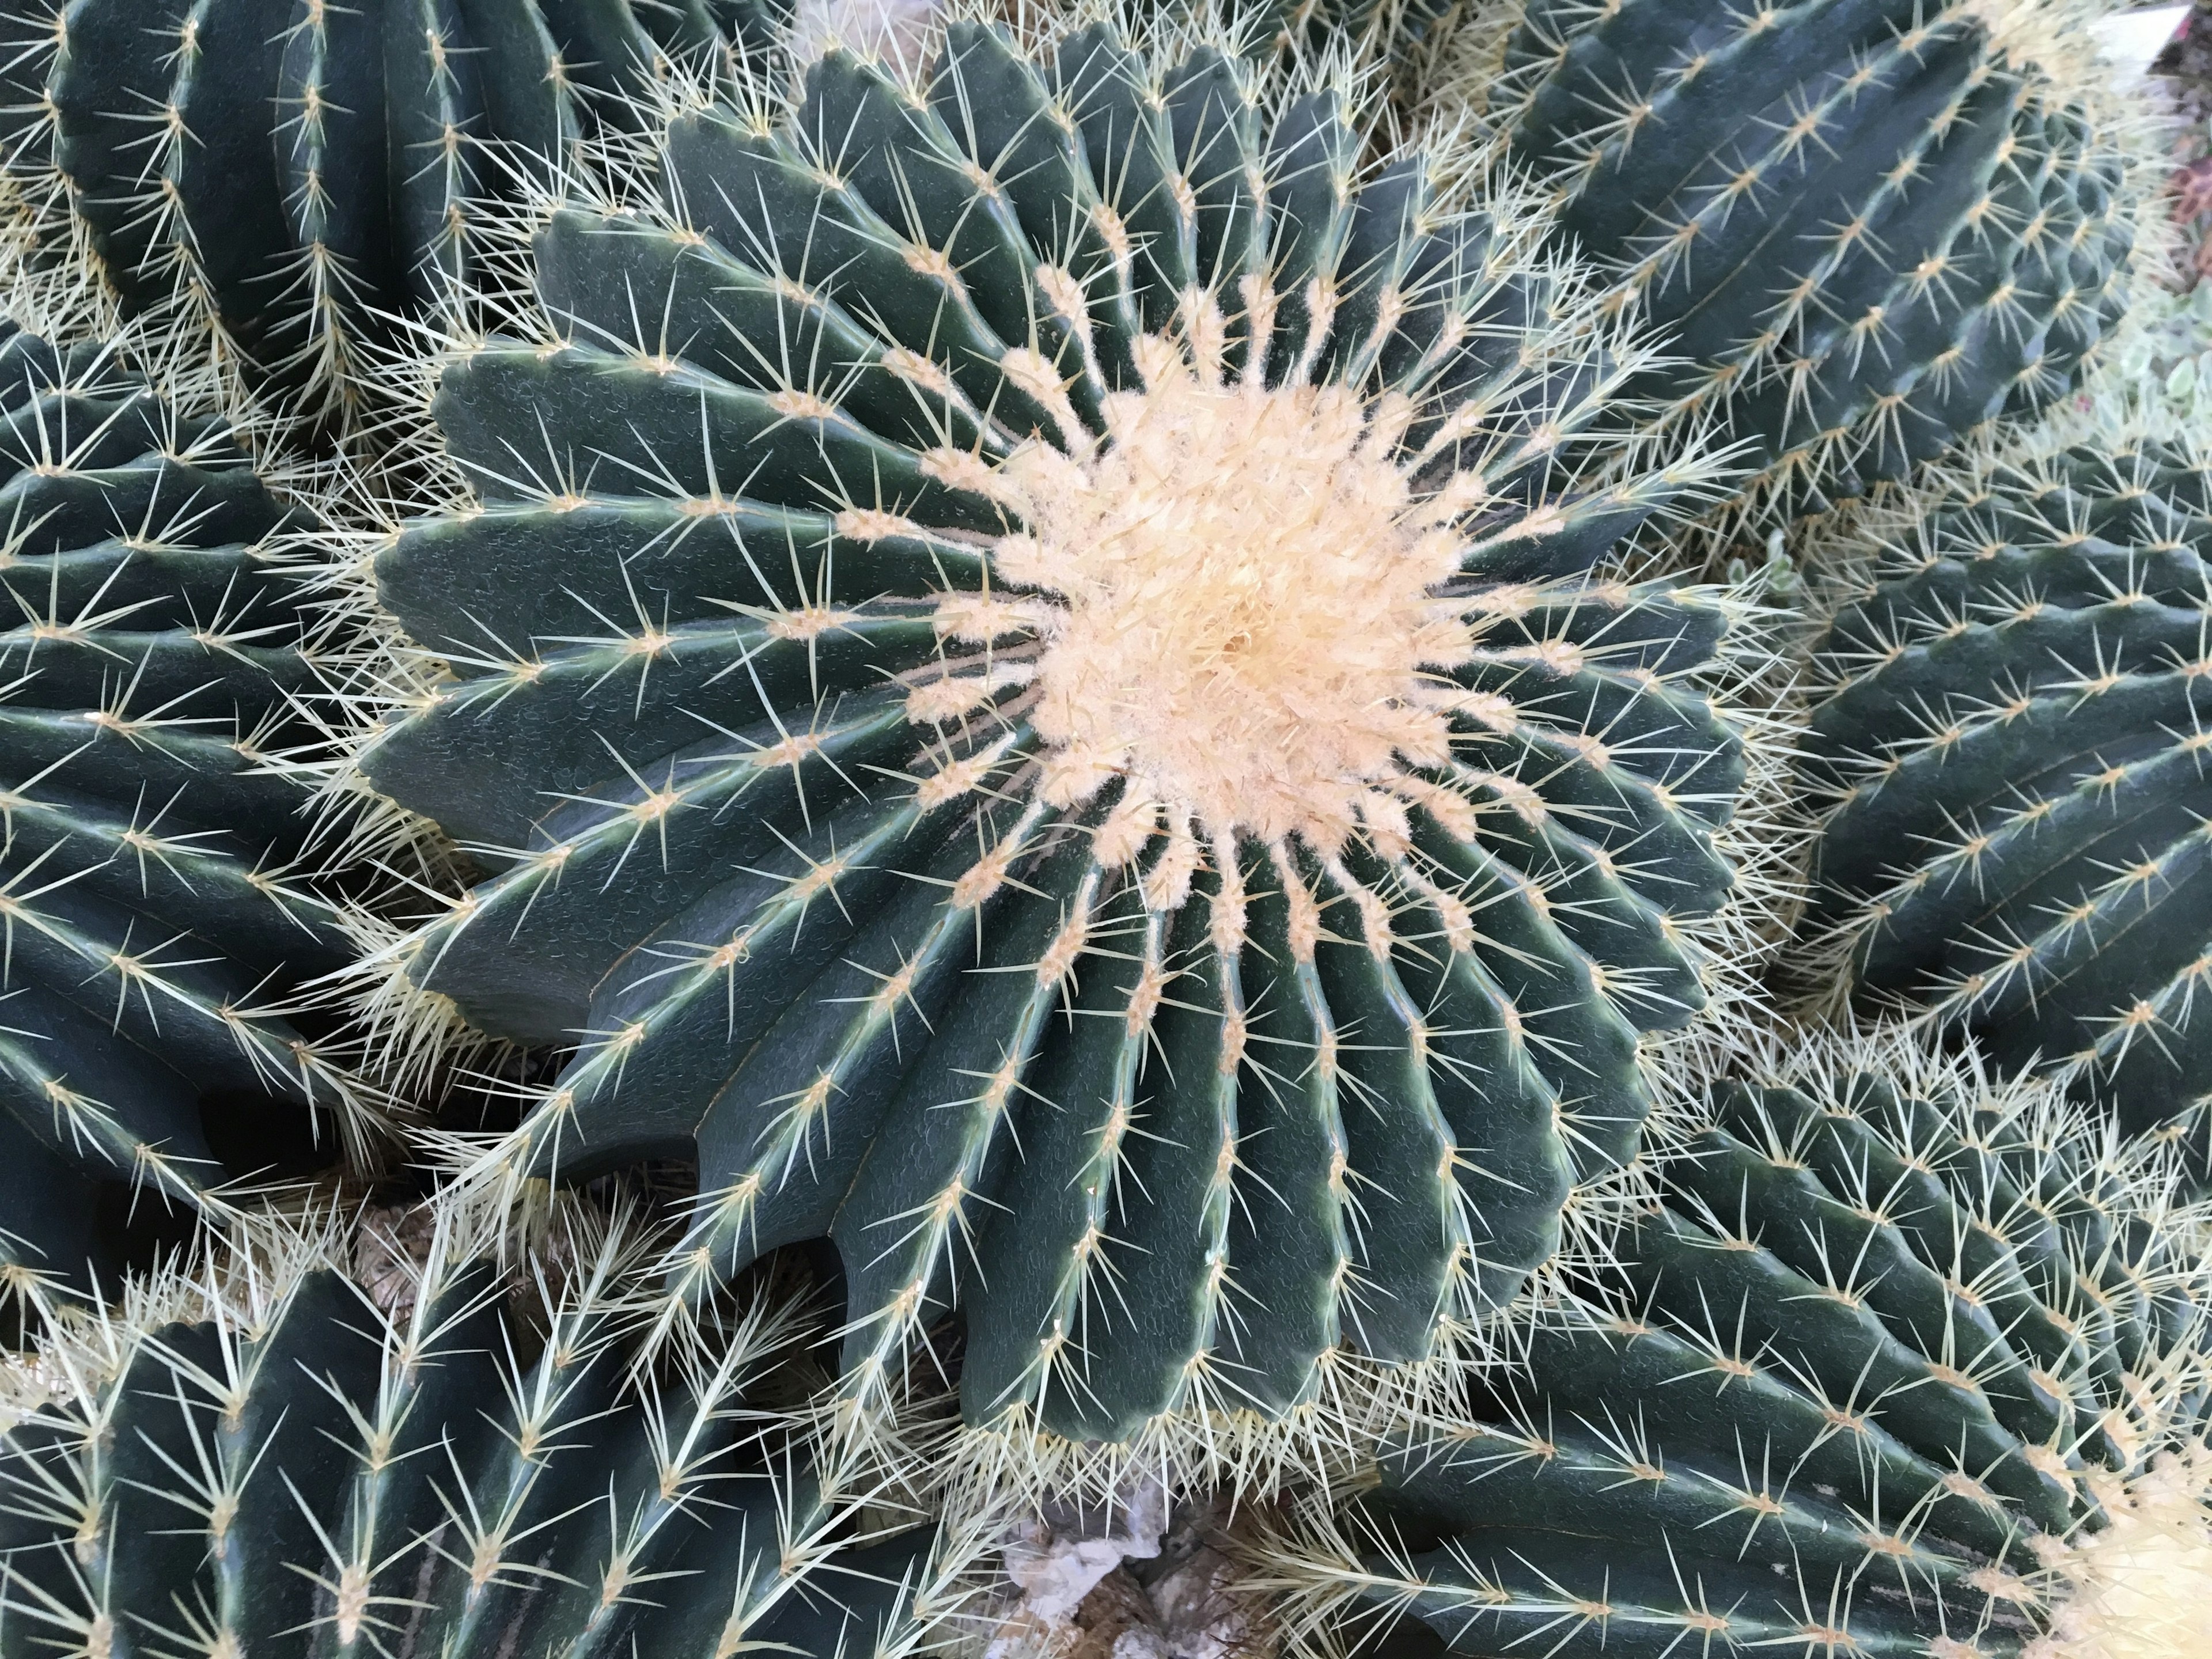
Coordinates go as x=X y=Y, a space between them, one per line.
x=1189 y=943
x=153 y=938
x=2015 y=727
x=274 y=1464
x=1866 y=226
x=1881 y=1375
x=282 y=170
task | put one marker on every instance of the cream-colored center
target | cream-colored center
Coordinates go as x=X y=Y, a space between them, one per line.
x=1243 y=623
x=2141 y=1587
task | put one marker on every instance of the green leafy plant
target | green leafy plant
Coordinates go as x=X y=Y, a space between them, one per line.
x=1031 y=675
x=2013 y=732
x=325 y=1443
x=1904 y=1361
x=1867 y=228
x=156 y=936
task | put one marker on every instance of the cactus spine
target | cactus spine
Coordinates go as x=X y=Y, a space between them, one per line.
x=2013 y=734
x=1905 y=1362
x=260 y=1456
x=156 y=935
x=1868 y=227
x=1033 y=679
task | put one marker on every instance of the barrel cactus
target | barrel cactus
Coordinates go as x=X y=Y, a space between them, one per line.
x=1034 y=681
x=2013 y=728
x=1904 y=1364
x=289 y=175
x=267 y=1456
x=1868 y=226
x=156 y=938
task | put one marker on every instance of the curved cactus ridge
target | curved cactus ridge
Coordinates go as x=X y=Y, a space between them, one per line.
x=270 y=1455
x=1025 y=660
x=1902 y=1364
x=1868 y=227
x=156 y=937
x=2015 y=730
x=288 y=176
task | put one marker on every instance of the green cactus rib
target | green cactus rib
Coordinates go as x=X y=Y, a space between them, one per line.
x=1876 y=1375
x=1868 y=226
x=1134 y=818
x=298 y=173
x=2015 y=732
x=153 y=937
x=267 y=1459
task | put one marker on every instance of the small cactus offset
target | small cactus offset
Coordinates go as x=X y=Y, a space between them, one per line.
x=1867 y=226
x=154 y=936
x=268 y=1455
x=1030 y=673
x=1904 y=1363
x=2014 y=731
x=286 y=176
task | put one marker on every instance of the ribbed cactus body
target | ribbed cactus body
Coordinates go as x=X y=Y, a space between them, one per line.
x=297 y=172
x=1030 y=674
x=1868 y=226
x=1876 y=1376
x=2015 y=730
x=152 y=937
x=285 y=1466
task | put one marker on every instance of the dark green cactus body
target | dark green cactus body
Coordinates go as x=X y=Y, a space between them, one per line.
x=152 y=937
x=2016 y=726
x=290 y=1467
x=1867 y=1353
x=1868 y=227
x=858 y=801
x=296 y=173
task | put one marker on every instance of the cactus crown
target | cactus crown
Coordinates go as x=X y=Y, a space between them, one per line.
x=158 y=929
x=1867 y=227
x=1904 y=1362
x=2013 y=729
x=1025 y=654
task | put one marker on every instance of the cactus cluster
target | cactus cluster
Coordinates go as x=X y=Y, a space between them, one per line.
x=293 y=175
x=1883 y=1372
x=156 y=939
x=966 y=742
x=1866 y=226
x=267 y=1454
x=2013 y=732
x=1032 y=671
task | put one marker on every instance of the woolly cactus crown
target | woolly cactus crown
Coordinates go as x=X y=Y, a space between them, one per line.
x=2013 y=734
x=1905 y=1362
x=1027 y=661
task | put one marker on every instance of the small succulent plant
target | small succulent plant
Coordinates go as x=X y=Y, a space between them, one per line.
x=1904 y=1362
x=2013 y=732
x=156 y=937
x=1867 y=228
x=1032 y=675
x=329 y=1443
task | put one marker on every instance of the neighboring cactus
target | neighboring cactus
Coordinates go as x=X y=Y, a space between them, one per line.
x=1029 y=671
x=1904 y=1364
x=261 y=1457
x=152 y=940
x=2015 y=724
x=1868 y=227
x=292 y=175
